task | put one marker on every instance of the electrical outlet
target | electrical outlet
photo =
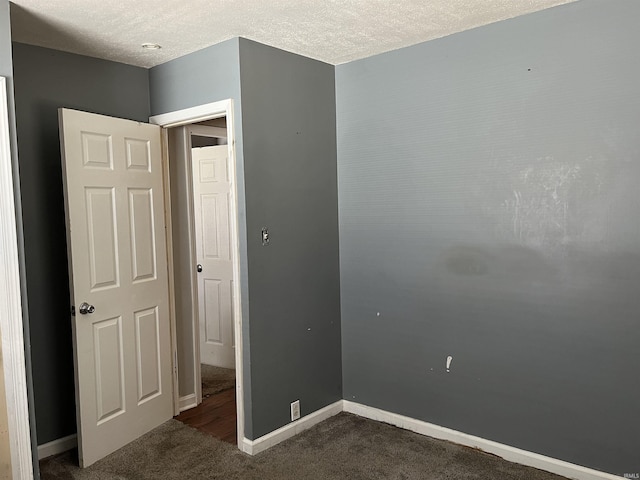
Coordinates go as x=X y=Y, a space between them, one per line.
x=295 y=410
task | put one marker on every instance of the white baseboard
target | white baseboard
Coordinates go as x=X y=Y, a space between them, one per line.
x=253 y=447
x=187 y=402
x=57 y=446
x=511 y=454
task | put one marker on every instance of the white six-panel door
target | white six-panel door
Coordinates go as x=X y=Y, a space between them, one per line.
x=211 y=190
x=117 y=255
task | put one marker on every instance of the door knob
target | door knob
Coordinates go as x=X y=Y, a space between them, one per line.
x=86 y=308
x=199 y=268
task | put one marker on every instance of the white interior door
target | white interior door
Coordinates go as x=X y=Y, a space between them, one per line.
x=118 y=267
x=211 y=189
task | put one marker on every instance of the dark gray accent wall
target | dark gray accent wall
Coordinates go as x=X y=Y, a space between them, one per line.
x=288 y=121
x=489 y=206
x=44 y=81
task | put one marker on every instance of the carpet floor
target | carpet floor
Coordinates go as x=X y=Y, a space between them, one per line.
x=216 y=379
x=343 y=447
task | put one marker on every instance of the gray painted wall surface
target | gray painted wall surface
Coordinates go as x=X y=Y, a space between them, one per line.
x=291 y=169
x=489 y=206
x=210 y=75
x=46 y=80
x=205 y=76
x=288 y=120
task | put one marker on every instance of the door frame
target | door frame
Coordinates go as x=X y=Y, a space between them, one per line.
x=205 y=131
x=11 y=321
x=184 y=117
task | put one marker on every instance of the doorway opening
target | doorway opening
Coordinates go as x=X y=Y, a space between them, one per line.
x=204 y=251
x=199 y=161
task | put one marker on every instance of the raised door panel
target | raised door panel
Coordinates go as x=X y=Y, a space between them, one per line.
x=115 y=220
x=148 y=354
x=211 y=190
x=102 y=235
x=109 y=369
x=143 y=239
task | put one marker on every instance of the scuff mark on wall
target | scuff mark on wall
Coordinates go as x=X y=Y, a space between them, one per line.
x=542 y=195
x=546 y=203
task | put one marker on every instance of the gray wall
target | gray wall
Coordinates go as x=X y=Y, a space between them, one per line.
x=205 y=76
x=46 y=80
x=288 y=120
x=286 y=164
x=489 y=205
x=210 y=75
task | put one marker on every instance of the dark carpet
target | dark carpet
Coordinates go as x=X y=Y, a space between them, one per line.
x=216 y=379
x=343 y=447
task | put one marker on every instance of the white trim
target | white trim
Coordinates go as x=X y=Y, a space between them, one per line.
x=194 y=114
x=166 y=194
x=237 y=292
x=253 y=447
x=207 y=131
x=187 y=402
x=11 y=309
x=507 y=452
x=57 y=446
x=193 y=275
x=201 y=113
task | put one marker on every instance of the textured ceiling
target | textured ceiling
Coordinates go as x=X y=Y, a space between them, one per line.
x=334 y=31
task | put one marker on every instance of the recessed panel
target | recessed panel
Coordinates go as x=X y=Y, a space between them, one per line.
x=97 y=151
x=207 y=171
x=138 y=154
x=213 y=323
x=102 y=232
x=143 y=240
x=109 y=365
x=209 y=205
x=148 y=354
